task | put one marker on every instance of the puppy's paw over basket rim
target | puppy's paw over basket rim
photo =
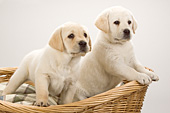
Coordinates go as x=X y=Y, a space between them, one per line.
x=126 y=98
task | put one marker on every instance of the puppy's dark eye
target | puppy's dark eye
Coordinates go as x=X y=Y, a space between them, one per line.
x=116 y=22
x=129 y=22
x=71 y=36
x=85 y=35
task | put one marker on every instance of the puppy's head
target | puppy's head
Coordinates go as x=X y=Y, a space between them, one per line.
x=71 y=38
x=118 y=23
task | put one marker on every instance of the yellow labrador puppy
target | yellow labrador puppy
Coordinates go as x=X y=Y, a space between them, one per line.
x=112 y=58
x=53 y=68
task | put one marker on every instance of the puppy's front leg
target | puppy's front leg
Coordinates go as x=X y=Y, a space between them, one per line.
x=142 y=69
x=41 y=85
x=125 y=72
x=68 y=92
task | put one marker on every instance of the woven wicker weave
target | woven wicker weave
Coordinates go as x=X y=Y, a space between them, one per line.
x=124 y=99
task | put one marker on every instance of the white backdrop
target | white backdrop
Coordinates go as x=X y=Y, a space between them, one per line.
x=26 y=25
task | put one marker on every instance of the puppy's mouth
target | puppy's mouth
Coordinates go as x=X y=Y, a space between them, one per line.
x=120 y=40
x=124 y=39
x=80 y=53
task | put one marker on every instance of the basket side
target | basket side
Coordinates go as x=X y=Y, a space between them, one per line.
x=127 y=98
x=127 y=103
x=6 y=73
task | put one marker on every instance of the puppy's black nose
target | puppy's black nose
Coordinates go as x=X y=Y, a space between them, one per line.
x=126 y=31
x=82 y=44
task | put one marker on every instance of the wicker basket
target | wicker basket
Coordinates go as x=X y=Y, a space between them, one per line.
x=124 y=99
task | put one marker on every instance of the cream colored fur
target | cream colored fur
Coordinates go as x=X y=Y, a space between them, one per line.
x=53 y=68
x=112 y=58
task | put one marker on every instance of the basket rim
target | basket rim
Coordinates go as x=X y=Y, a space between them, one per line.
x=98 y=99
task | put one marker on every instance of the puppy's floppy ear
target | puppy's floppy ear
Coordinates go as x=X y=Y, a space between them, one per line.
x=90 y=44
x=102 y=21
x=134 y=25
x=56 y=40
x=86 y=30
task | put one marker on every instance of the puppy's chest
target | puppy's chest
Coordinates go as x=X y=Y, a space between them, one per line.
x=58 y=76
x=64 y=70
x=127 y=58
x=57 y=79
x=125 y=54
x=61 y=69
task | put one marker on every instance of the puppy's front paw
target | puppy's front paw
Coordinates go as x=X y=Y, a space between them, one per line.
x=41 y=104
x=153 y=76
x=144 y=79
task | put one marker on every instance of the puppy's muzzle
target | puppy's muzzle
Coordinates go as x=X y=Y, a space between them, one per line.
x=126 y=34
x=83 y=46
